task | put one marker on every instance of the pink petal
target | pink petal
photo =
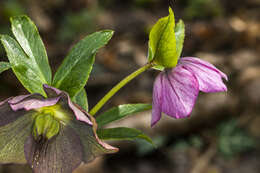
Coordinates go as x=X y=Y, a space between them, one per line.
x=208 y=76
x=175 y=92
x=29 y=102
x=52 y=92
x=17 y=99
x=157 y=99
x=180 y=90
x=80 y=114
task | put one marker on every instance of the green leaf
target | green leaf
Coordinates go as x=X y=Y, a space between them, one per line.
x=74 y=71
x=22 y=66
x=122 y=133
x=120 y=112
x=4 y=66
x=29 y=39
x=179 y=35
x=162 y=43
x=81 y=99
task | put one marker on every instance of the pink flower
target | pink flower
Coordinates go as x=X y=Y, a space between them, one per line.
x=175 y=90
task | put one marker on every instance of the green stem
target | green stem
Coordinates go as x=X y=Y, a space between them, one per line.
x=118 y=87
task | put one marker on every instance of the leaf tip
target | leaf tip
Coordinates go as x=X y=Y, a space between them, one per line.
x=170 y=10
x=181 y=23
x=109 y=33
x=171 y=13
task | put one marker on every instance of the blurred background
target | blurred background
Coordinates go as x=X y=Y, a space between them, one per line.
x=221 y=136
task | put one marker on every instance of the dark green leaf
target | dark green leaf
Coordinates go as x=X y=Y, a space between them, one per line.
x=122 y=133
x=120 y=112
x=179 y=35
x=81 y=99
x=4 y=66
x=22 y=66
x=74 y=71
x=29 y=39
x=144 y=148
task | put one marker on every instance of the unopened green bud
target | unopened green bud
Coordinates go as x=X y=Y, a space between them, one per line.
x=166 y=41
x=162 y=43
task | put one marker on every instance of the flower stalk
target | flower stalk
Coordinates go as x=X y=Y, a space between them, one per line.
x=116 y=88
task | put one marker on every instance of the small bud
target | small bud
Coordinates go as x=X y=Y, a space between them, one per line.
x=162 y=42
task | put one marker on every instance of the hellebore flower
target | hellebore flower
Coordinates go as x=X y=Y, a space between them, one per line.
x=176 y=89
x=52 y=135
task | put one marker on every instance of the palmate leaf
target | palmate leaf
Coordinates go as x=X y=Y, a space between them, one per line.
x=74 y=71
x=27 y=55
x=119 y=112
x=123 y=133
x=4 y=66
x=22 y=66
x=29 y=39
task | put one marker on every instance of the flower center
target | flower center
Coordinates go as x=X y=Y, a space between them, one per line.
x=57 y=112
x=47 y=121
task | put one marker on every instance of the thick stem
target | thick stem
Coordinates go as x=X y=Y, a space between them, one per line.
x=114 y=90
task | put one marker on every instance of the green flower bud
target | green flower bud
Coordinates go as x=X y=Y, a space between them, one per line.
x=165 y=42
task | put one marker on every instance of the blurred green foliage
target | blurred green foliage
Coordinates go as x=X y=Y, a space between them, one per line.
x=194 y=141
x=144 y=148
x=74 y=24
x=144 y=3
x=233 y=140
x=12 y=8
x=203 y=9
x=8 y=9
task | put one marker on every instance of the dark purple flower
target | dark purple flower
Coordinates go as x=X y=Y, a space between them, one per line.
x=175 y=90
x=52 y=135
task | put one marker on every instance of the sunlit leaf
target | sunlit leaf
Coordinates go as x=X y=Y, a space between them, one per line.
x=22 y=66
x=29 y=39
x=74 y=71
